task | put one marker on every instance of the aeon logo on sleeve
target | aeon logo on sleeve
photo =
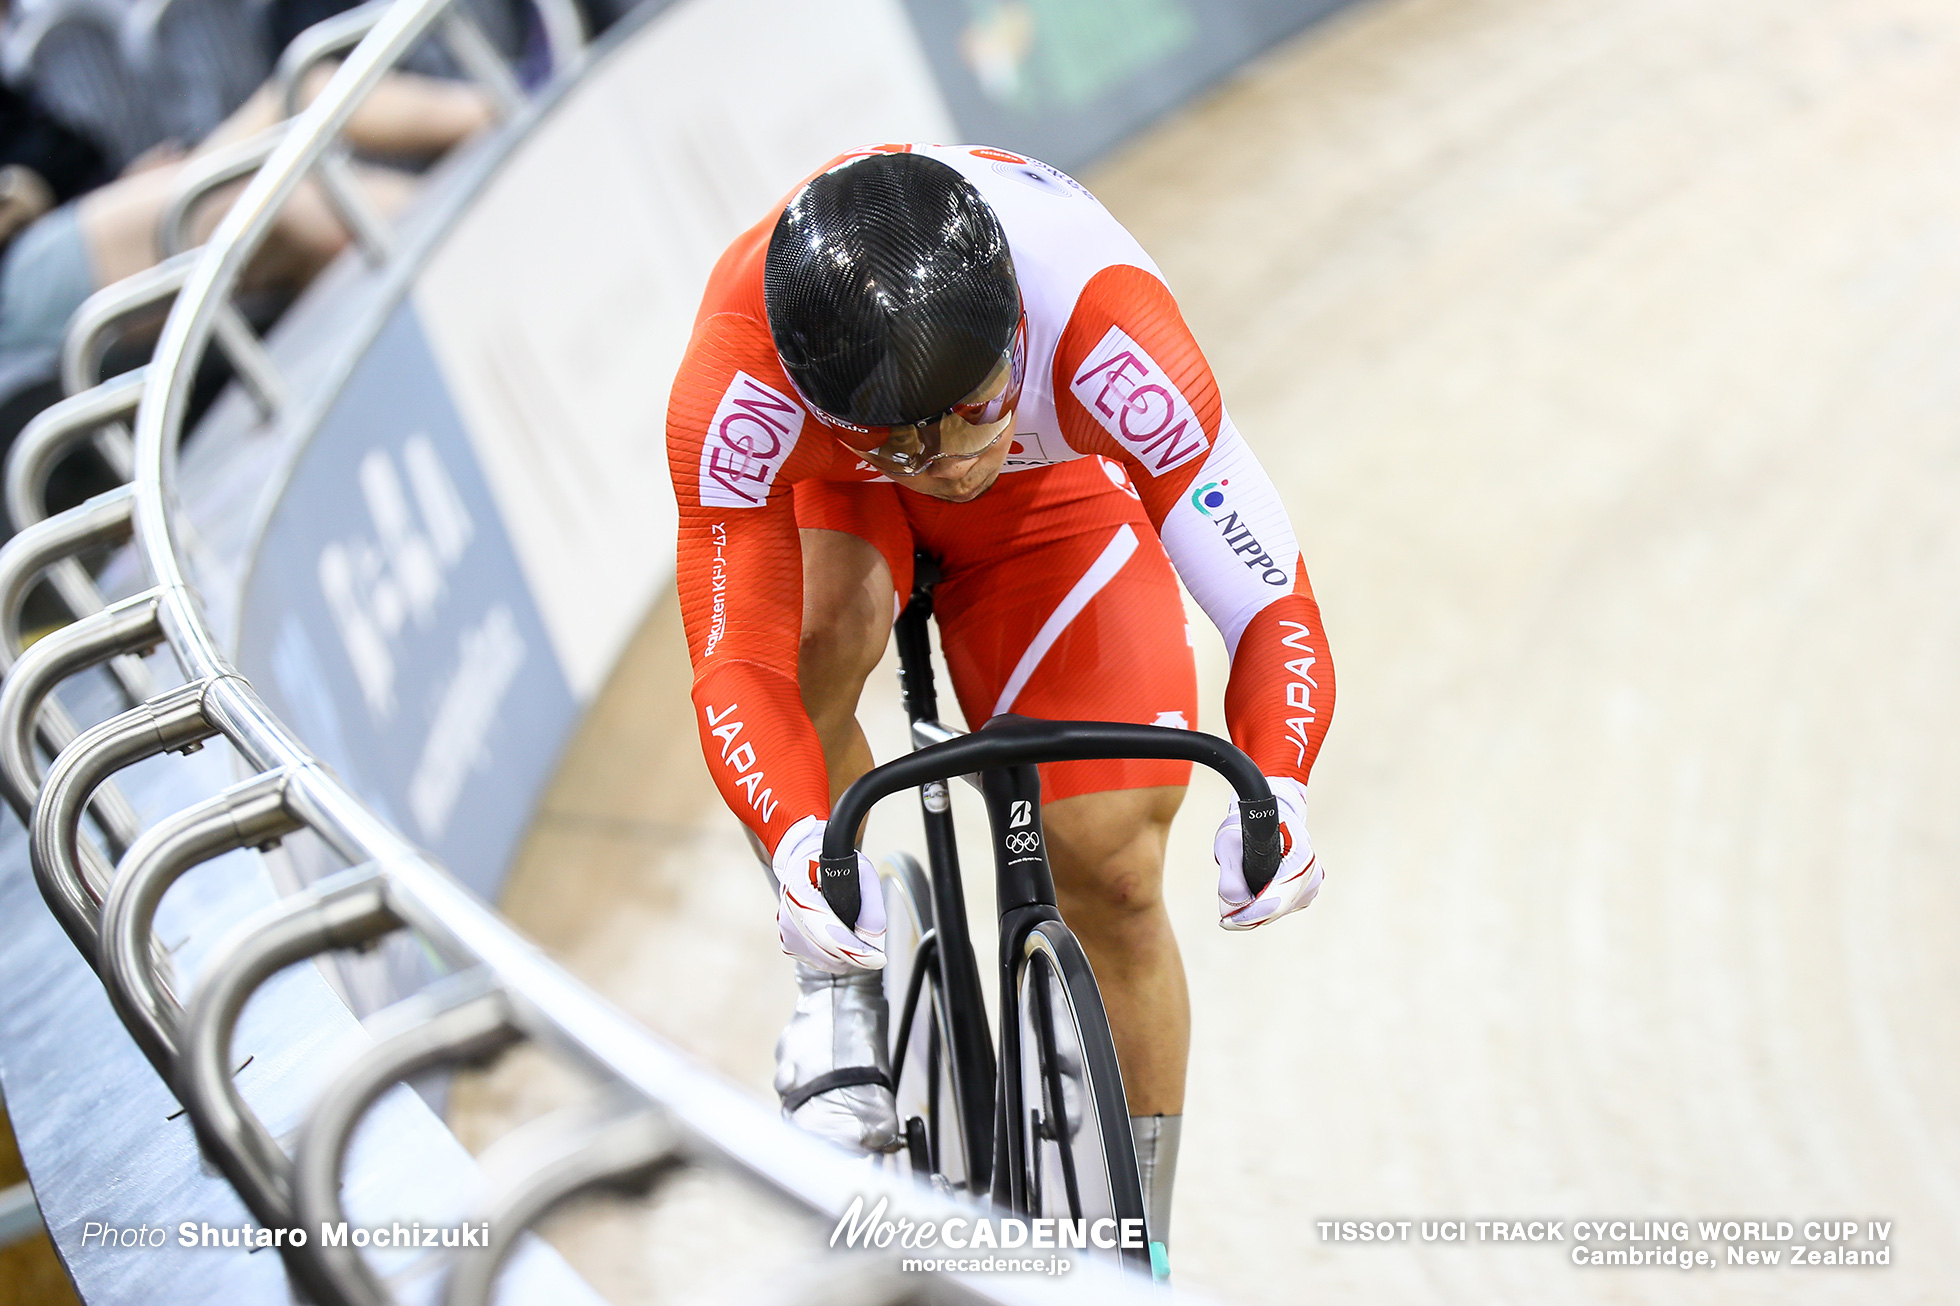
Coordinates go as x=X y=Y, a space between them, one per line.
x=1209 y=499
x=752 y=435
x=1134 y=400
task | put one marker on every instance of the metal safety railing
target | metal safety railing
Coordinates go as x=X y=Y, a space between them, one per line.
x=656 y=1111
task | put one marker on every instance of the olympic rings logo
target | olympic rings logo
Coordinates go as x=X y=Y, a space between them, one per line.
x=1023 y=841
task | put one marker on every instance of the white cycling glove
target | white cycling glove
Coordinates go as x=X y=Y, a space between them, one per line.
x=1292 y=887
x=810 y=930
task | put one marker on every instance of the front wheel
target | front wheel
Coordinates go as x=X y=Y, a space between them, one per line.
x=930 y=1121
x=1077 y=1160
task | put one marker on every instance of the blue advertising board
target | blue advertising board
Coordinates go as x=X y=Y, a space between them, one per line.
x=387 y=620
x=1065 y=80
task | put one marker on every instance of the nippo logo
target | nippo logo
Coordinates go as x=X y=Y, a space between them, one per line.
x=752 y=435
x=1209 y=500
x=1134 y=400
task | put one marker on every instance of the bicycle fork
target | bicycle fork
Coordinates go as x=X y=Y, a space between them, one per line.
x=1027 y=897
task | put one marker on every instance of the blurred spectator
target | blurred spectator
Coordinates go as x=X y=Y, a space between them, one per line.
x=111 y=232
x=61 y=257
x=42 y=163
x=46 y=165
x=285 y=19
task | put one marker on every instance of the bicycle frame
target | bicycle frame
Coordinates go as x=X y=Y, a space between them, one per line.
x=1025 y=896
x=970 y=1056
x=1005 y=752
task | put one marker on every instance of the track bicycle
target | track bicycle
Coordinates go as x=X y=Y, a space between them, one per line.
x=1043 y=1130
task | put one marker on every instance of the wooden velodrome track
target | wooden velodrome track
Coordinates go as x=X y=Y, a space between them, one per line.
x=1606 y=350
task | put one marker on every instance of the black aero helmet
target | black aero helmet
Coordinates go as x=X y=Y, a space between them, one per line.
x=890 y=290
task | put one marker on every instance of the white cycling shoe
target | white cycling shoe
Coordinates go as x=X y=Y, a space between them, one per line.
x=833 y=1070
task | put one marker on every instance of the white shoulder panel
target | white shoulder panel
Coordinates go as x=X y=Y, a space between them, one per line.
x=1061 y=236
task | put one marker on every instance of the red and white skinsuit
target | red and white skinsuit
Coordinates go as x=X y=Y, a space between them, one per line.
x=1058 y=598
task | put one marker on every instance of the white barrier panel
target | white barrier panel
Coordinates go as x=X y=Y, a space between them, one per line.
x=482 y=516
x=560 y=304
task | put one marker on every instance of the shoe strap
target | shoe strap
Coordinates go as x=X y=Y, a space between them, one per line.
x=848 y=1077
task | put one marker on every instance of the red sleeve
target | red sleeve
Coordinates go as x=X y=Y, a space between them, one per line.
x=1130 y=383
x=733 y=429
x=1280 y=698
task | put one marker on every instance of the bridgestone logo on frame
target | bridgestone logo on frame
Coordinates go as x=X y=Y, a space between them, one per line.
x=1134 y=400
x=752 y=435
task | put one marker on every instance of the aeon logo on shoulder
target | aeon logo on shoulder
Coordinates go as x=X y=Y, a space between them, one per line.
x=752 y=435
x=1209 y=500
x=1134 y=400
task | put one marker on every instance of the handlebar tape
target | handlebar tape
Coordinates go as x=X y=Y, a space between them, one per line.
x=837 y=880
x=1259 y=829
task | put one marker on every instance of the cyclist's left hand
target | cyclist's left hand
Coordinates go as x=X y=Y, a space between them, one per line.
x=809 y=929
x=1292 y=887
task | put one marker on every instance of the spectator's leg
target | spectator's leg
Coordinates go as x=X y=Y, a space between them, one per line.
x=119 y=222
x=413 y=116
x=308 y=234
x=406 y=115
x=45 y=276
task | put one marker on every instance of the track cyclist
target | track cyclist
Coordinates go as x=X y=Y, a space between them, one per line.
x=958 y=349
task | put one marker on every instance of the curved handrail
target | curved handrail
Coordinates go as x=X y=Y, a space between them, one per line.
x=341 y=911
x=49 y=546
x=58 y=430
x=392 y=885
x=249 y=815
x=89 y=329
x=129 y=626
x=68 y=870
x=464 y=1018
x=622 y=1146
x=202 y=176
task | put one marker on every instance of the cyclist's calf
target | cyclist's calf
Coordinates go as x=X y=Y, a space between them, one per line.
x=1107 y=853
x=1107 y=850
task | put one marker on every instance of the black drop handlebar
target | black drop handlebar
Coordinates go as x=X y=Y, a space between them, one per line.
x=1021 y=741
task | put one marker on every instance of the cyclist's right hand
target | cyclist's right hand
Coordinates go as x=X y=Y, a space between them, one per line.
x=1293 y=885
x=810 y=930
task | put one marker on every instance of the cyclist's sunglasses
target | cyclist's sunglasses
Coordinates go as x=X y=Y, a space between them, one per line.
x=916 y=446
